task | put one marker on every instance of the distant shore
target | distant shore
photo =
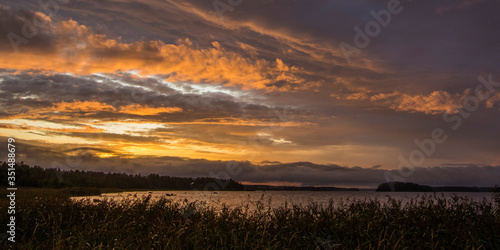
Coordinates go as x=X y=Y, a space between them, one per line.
x=414 y=187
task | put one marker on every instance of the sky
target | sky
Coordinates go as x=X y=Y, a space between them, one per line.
x=279 y=92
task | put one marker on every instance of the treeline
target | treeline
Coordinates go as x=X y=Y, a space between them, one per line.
x=294 y=188
x=35 y=176
x=413 y=187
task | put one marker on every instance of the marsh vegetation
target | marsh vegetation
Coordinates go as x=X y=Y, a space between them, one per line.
x=48 y=219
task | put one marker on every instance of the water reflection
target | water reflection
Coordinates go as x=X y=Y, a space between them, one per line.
x=274 y=199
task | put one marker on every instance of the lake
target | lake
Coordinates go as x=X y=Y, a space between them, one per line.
x=234 y=199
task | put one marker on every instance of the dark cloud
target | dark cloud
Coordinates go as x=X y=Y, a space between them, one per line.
x=23 y=91
x=305 y=173
x=15 y=23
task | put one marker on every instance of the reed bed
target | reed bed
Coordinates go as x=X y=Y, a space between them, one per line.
x=430 y=222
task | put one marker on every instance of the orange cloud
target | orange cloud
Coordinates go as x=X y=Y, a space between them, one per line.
x=81 y=129
x=63 y=110
x=436 y=102
x=323 y=51
x=79 y=106
x=137 y=109
x=76 y=49
x=490 y=103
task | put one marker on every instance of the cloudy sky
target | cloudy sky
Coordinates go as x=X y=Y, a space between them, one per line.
x=290 y=92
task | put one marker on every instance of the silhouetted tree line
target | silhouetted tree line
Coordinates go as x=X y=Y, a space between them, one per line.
x=35 y=176
x=413 y=187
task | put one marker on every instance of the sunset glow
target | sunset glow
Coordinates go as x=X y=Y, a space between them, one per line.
x=170 y=87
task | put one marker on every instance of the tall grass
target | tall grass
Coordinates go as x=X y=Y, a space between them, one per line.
x=427 y=223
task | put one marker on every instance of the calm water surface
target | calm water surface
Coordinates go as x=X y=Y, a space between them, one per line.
x=274 y=199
